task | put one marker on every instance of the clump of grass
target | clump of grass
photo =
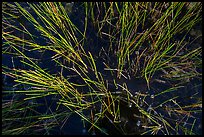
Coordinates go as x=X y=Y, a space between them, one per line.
x=153 y=48
x=134 y=41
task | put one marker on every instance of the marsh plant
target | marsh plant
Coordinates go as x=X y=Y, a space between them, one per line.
x=123 y=67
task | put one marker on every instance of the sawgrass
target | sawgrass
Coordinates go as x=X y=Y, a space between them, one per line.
x=141 y=37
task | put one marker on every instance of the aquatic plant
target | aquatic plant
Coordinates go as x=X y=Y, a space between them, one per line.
x=123 y=67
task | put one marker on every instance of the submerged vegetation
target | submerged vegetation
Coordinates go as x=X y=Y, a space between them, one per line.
x=123 y=67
